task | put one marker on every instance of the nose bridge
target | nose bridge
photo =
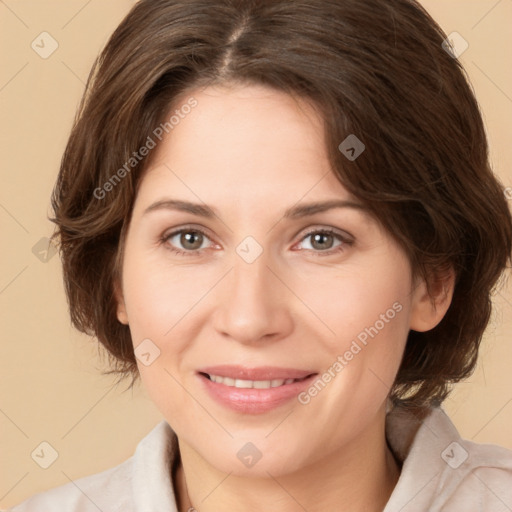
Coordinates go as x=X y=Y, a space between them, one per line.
x=251 y=283
x=251 y=276
x=251 y=305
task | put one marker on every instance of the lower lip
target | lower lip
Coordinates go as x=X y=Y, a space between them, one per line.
x=251 y=400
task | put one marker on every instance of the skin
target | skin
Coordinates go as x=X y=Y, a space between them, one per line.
x=250 y=153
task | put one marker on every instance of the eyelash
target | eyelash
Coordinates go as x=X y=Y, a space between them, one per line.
x=340 y=248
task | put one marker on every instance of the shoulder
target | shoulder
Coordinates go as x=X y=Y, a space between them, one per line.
x=139 y=482
x=480 y=478
x=101 y=491
x=441 y=472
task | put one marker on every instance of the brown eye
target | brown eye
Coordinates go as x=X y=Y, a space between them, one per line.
x=185 y=241
x=324 y=242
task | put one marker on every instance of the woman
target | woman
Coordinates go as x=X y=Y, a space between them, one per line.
x=281 y=217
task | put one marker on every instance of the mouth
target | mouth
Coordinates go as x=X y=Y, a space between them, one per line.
x=253 y=390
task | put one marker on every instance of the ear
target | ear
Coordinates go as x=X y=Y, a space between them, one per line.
x=122 y=315
x=428 y=310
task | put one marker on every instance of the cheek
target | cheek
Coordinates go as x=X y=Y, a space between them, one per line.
x=367 y=313
x=158 y=295
x=359 y=303
x=162 y=302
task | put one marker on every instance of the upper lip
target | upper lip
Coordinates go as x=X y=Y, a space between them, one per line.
x=259 y=373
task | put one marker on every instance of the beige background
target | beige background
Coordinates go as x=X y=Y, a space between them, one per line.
x=51 y=389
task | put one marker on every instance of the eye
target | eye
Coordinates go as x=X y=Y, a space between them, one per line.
x=323 y=241
x=190 y=239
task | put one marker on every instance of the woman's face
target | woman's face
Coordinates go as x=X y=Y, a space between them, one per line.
x=261 y=287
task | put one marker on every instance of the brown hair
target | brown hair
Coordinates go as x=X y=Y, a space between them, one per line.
x=372 y=68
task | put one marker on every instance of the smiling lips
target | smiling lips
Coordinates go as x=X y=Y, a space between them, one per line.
x=253 y=390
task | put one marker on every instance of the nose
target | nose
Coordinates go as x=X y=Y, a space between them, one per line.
x=253 y=303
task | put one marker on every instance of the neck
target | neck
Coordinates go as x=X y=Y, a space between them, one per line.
x=358 y=477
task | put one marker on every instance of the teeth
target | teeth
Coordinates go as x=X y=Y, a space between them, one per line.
x=243 y=383
x=257 y=384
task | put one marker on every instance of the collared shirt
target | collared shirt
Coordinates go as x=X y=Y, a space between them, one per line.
x=440 y=473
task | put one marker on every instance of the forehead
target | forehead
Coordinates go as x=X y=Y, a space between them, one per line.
x=244 y=143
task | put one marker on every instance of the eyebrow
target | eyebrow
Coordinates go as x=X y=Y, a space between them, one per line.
x=295 y=212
